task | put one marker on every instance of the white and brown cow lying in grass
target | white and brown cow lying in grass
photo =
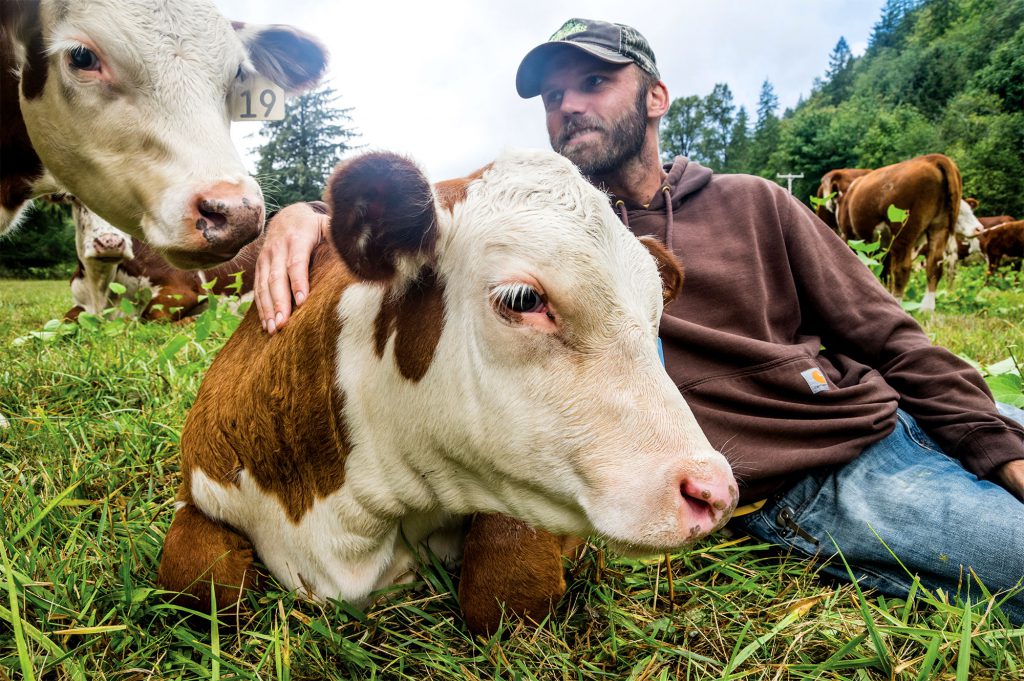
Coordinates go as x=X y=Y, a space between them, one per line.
x=485 y=345
x=125 y=104
x=107 y=255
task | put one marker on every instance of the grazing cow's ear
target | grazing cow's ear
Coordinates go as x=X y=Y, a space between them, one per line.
x=669 y=268
x=291 y=58
x=382 y=210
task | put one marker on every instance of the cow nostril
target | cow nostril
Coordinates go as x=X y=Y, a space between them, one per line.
x=697 y=502
x=214 y=214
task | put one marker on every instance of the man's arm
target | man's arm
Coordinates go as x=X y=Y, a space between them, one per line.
x=857 y=317
x=282 y=270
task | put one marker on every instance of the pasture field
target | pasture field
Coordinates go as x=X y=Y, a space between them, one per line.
x=88 y=470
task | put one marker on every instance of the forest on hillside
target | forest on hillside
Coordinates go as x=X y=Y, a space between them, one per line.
x=938 y=76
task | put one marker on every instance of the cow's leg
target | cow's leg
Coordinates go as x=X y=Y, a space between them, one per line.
x=199 y=551
x=936 y=253
x=509 y=563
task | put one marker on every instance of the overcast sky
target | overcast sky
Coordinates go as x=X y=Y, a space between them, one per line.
x=436 y=80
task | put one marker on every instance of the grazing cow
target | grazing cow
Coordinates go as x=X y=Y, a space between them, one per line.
x=106 y=254
x=930 y=188
x=967 y=226
x=1002 y=241
x=969 y=244
x=485 y=345
x=125 y=105
x=835 y=182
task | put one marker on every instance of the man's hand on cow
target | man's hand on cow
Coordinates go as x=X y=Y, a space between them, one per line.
x=1011 y=476
x=282 y=271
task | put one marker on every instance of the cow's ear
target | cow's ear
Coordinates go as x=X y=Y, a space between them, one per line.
x=293 y=59
x=382 y=213
x=669 y=268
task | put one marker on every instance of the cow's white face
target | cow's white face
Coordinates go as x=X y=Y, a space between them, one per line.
x=967 y=225
x=98 y=240
x=543 y=387
x=126 y=104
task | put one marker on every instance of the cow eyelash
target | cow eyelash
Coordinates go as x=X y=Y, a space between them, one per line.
x=518 y=298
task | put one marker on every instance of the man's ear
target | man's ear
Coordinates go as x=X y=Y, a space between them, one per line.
x=657 y=100
x=669 y=268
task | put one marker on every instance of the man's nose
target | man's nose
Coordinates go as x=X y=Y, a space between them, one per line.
x=573 y=102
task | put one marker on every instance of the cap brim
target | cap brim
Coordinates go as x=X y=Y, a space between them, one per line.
x=531 y=69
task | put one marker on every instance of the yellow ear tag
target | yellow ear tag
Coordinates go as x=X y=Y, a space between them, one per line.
x=256 y=98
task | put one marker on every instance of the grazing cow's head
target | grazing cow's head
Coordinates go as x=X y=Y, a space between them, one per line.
x=967 y=225
x=510 y=321
x=126 y=104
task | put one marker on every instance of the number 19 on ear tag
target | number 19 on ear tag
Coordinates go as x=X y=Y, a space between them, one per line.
x=255 y=98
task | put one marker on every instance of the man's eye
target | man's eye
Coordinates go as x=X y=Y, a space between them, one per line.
x=552 y=98
x=594 y=81
x=83 y=59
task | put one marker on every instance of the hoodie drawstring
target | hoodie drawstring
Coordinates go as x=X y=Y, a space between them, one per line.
x=667 y=191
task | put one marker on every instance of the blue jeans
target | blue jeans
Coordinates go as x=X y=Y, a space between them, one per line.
x=937 y=518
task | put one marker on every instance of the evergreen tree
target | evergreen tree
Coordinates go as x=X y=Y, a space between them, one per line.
x=839 y=77
x=737 y=154
x=766 y=129
x=888 y=31
x=711 y=146
x=301 y=150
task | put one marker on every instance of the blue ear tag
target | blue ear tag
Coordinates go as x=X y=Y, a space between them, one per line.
x=661 y=353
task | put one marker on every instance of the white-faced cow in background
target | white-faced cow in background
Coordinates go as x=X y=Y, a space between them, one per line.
x=930 y=188
x=106 y=255
x=125 y=104
x=488 y=344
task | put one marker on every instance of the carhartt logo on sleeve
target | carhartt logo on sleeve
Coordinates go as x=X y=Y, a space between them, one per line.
x=815 y=380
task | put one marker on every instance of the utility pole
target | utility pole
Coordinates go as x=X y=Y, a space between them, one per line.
x=789 y=180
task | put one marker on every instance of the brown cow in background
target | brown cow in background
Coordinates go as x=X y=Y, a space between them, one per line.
x=1005 y=240
x=930 y=188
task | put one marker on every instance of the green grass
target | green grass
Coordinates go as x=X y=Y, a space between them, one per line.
x=88 y=468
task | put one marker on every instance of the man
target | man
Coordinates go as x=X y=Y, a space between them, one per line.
x=839 y=417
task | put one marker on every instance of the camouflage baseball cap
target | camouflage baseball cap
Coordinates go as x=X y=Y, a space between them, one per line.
x=612 y=43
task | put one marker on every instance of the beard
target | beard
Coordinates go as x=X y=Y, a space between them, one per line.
x=623 y=140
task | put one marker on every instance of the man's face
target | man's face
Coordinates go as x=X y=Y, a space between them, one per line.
x=596 y=112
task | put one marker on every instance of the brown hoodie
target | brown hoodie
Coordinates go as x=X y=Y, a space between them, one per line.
x=788 y=350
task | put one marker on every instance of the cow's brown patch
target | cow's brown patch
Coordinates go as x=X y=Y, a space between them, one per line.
x=33 y=74
x=451 y=192
x=269 y=407
x=508 y=562
x=416 y=319
x=21 y=165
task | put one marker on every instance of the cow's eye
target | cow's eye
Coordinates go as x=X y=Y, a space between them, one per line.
x=83 y=59
x=518 y=298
